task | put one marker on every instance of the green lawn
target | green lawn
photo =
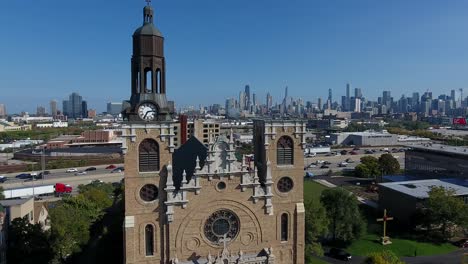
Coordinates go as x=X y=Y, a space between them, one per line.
x=312 y=190
x=401 y=247
x=316 y=260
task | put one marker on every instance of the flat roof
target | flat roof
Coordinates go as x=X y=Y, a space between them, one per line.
x=420 y=189
x=440 y=148
x=14 y=202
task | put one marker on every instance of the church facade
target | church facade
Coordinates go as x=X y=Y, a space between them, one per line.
x=197 y=203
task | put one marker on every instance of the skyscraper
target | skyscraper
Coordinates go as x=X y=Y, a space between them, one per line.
x=357 y=93
x=73 y=107
x=40 y=111
x=247 y=97
x=84 y=109
x=53 y=108
x=242 y=99
x=330 y=97
x=346 y=103
x=3 y=112
x=269 y=101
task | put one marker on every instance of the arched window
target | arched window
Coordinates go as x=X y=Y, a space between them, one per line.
x=284 y=227
x=148 y=155
x=284 y=151
x=148 y=80
x=149 y=240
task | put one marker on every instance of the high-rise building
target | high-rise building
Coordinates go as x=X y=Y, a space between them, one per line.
x=320 y=104
x=357 y=104
x=387 y=100
x=248 y=101
x=357 y=93
x=40 y=111
x=269 y=101
x=73 y=107
x=330 y=96
x=3 y=112
x=242 y=100
x=53 y=108
x=346 y=103
x=113 y=108
x=84 y=109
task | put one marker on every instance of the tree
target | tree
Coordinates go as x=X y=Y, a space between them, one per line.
x=444 y=210
x=2 y=196
x=388 y=164
x=316 y=226
x=368 y=168
x=345 y=220
x=26 y=240
x=383 y=257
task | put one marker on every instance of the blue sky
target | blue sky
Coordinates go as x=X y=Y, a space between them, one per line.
x=49 y=49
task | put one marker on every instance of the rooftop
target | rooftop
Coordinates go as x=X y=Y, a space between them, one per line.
x=7 y=203
x=420 y=189
x=440 y=148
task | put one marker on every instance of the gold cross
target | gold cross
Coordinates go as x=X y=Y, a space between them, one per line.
x=384 y=220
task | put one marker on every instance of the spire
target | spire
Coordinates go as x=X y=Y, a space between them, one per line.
x=148 y=13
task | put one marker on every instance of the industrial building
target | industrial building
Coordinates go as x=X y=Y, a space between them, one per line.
x=363 y=139
x=437 y=161
x=401 y=199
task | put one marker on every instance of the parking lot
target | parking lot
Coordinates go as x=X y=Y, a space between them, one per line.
x=348 y=159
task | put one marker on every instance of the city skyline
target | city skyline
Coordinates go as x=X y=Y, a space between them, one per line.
x=320 y=45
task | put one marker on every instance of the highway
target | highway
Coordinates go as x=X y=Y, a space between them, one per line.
x=60 y=175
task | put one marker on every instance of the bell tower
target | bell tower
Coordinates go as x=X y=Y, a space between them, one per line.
x=148 y=100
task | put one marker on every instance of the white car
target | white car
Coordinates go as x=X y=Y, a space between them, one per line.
x=72 y=170
x=80 y=173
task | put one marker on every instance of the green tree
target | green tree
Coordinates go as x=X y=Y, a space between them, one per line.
x=383 y=257
x=316 y=226
x=2 y=196
x=389 y=164
x=362 y=171
x=345 y=220
x=69 y=230
x=27 y=243
x=444 y=210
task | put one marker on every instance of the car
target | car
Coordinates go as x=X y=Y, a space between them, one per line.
x=349 y=160
x=356 y=148
x=339 y=254
x=326 y=162
x=342 y=165
x=97 y=182
x=309 y=175
x=344 y=152
x=369 y=152
x=312 y=165
x=23 y=176
x=117 y=170
x=3 y=179
x=91 y=169
x=324 y=166
x=462 y=243
x=78 y=173
x=111 y=167
x=72 y=170
x=338 y=154
x=353 y=152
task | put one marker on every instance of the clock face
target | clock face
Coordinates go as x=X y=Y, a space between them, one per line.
x=147 y=111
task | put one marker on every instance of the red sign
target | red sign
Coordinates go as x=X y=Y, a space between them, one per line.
x=459 y=121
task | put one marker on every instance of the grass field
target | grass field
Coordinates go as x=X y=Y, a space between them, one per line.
x=401 y=247
x=312 y=190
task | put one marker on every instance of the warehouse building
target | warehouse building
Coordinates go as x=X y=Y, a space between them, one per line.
x=363 y=139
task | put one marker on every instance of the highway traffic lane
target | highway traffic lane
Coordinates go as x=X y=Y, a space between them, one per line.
x=61 y=171
x=73 y=181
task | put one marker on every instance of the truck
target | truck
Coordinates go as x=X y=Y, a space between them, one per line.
x=57 y=189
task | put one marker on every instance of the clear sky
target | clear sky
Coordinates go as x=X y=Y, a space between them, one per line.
x=49 y=49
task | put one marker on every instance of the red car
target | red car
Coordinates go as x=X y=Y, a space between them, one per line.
x=111 y=167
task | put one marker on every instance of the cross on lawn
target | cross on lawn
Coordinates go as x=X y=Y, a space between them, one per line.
x=384 y=219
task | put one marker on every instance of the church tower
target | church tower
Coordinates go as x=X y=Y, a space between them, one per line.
x=200 y=203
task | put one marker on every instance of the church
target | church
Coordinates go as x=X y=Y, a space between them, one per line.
x=195 y=203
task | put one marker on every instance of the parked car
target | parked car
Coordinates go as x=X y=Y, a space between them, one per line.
x=339 y=254
x=3 y=179
x=91 y=169
x=324 y=166
x=111 y=167
x=80 y=173
x=72 y=170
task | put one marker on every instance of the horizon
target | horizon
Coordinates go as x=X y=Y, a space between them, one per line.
x=210 y=46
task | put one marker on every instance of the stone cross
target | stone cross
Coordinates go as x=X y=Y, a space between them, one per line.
x=224 y=240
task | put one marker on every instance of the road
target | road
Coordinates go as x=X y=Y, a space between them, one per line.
x=335 y=160
x=60 y=175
